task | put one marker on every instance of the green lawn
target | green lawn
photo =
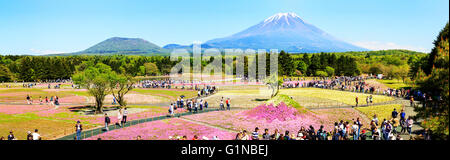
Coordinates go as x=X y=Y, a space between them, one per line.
x=167 y=93
x=21 y=94
x=288 y=101
x=337 y=96
x=49 y=128
x=394 y=83
x=382 y=111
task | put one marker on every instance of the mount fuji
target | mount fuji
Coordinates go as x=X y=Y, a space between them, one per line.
x=282 y=31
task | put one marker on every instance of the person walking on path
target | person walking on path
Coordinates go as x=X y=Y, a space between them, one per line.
x=394 y=113
x=56 y=101
x=387 y=130
x=394 y=126
x=28 y=99
x=358 y=122
x=375 y=119
x=402 y=115
x=367 y=100
x=40 y=100
x=171 y=109
x=51 y=101
x=124 y=116
x=404 y=125
x=355 y=129
x=119 y=117
x=409 y=125
x=356 y=100
x=107 y=121
x=221 y=104
x=78 y=129
x=114 y=101
x=228 y=104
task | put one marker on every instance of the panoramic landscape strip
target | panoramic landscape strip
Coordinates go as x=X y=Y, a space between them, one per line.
x=272 y=77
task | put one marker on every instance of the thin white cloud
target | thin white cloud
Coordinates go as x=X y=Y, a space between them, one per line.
x=40 y=52
x=375 y=45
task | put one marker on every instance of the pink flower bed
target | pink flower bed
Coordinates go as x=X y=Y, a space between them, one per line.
x=248 y=120
x=100 y=119
x=72 y=99
x=270 y=112
x=19 y=109
x=163 y=129
x=136 y=116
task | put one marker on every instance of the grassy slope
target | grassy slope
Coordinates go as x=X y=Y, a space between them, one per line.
x=397 y=84
x=171 y=94
x=382 y=111
x=290 y=102
x=339 y=96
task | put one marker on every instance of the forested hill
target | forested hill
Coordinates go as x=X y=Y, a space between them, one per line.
x=390 y=63
x=125 y=46
x=376 y=53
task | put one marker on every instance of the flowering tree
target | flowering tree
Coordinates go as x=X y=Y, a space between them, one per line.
x=274 y=83
x=96 y=80
x=119 y=85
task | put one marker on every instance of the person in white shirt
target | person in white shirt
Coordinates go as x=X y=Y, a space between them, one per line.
x=36 y=135
x=355 y=128
x=124 y=116
x=119 y=117
x=245 y=135
x=171 y=109
x=409 y=125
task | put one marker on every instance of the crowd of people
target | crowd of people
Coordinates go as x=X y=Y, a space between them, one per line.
x=165 y=83
x=30 y=136
x=170 y=83
x=388 y=129
x=353 y=84
x=122 y=115
x=53 y=101
x=196 y=104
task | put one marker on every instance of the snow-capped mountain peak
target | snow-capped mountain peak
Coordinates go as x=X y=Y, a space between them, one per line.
x=284 y=17
x=283 y=31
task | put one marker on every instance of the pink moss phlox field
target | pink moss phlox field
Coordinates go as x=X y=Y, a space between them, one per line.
x=19 y=109
x=246 y=120
x=282 y=112
x=163 y=129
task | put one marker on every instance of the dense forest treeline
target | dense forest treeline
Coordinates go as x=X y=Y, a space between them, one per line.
x=431 y=74
x=393 y=63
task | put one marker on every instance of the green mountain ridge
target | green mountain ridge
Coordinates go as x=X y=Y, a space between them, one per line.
x=120 y=45
x=139 y=46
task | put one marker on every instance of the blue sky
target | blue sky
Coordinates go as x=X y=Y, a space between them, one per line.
x=51 y=26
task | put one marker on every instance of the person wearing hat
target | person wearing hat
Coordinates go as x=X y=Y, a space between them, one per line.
x=29 y=136
x=363 y=135
x=78 y=129
x=11 y=136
